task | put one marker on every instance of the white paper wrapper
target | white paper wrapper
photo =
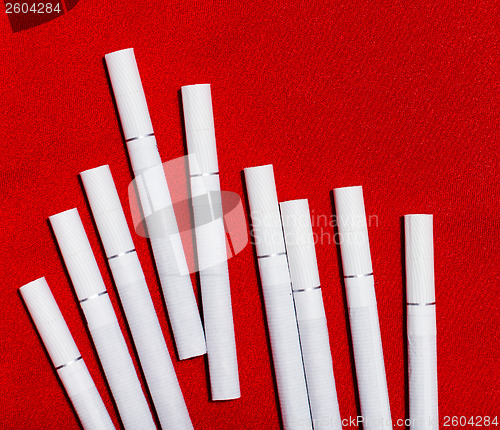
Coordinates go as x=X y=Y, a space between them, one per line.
x=421 y=322
x=101 y=320
x=362 y=304
x=311 y=318
x=156 y=204
x=277 y=292
x=135 y=298
x=210 y=242
x=65 y=356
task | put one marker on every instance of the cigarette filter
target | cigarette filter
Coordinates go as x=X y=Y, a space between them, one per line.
x=210 y=242
x=310 y=311
x=65 y=356
x=101 y=320
x=277 y=292
x=135 y=298
x=156 y=204
x=362 y=304
x=421 y=322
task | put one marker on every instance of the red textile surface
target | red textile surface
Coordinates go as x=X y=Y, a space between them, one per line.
x=400 y=97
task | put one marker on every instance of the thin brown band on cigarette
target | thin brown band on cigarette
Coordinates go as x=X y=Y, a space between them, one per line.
x=69 y=363
x=122 y=253
x=95 y=296
x=271 y=255
x=130 y=139
x=303 y=290
x=194 y=175
x=359 y=276
x=421 y=304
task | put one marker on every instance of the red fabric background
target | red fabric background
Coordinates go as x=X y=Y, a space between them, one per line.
x=400 y=97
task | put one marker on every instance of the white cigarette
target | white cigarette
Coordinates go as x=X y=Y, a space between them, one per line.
x=311 y=318
x=101 y=320
x=156 y=204
x=135 y=298
x=421 y=322
x=362 y=304
x=277 y=292
x=65 y=356
x=210 y=242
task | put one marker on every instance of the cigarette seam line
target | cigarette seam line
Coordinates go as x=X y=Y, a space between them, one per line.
x=130 y=139
x=271 y=255
x=69 y=363
x=121 y=254
x=359 y=276
x=94 y=296
x=200 y=129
